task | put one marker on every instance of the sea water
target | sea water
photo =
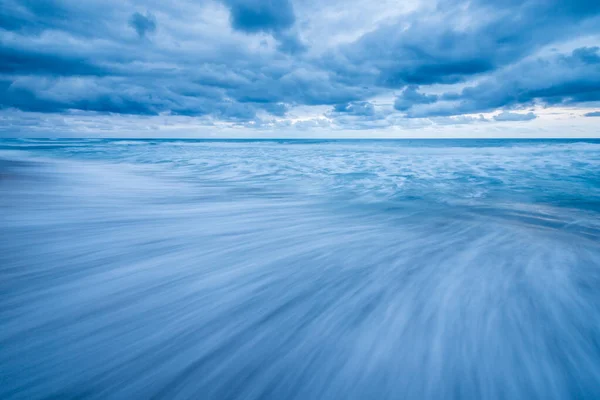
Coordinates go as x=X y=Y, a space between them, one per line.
x=297 y=269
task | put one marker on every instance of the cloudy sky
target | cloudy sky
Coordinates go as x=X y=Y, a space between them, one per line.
x=300 y=68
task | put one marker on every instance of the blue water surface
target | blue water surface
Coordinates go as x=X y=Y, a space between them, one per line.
x=299 y=269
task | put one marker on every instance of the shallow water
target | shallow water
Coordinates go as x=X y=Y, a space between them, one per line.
x=299 y=269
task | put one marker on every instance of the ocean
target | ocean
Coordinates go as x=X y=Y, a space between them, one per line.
x=299 y=269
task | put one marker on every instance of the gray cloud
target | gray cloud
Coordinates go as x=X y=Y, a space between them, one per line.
x=459 y=120
x=510 y=116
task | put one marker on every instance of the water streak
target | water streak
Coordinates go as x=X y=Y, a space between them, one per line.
x=299 y=269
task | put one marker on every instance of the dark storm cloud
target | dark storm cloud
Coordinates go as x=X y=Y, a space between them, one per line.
x=117 y=95
x=558 y=79
x=289 y=43
x=275 y=17
x=361 y=115
x=59 y=94
x=410 y=96
x=143 y=24
x=253 y=16
x=60 y=55
x=362 y=108
x=301 y=85
x=440 y=47
x=32 y=16
x=24 y=61
x=87 y=19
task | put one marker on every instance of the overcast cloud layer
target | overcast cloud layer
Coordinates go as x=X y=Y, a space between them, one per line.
x=304 y=68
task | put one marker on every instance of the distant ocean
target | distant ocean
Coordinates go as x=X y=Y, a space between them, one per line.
x=299 y=269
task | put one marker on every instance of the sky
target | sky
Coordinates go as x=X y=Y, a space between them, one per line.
x=299 y=68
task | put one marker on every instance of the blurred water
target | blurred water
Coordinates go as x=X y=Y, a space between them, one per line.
x=299 y=269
